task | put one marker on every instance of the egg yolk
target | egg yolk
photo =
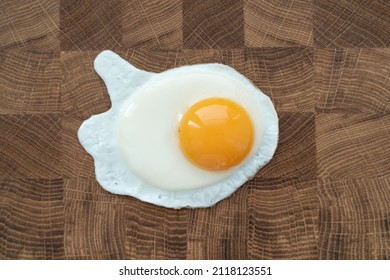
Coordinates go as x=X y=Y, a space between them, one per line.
x=216 y=134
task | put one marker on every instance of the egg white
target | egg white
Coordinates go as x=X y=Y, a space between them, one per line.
x=135 y=144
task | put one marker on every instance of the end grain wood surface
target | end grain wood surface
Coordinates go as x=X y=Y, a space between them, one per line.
x=325 y=65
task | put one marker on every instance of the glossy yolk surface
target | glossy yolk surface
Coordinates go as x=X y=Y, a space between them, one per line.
x=216 y=134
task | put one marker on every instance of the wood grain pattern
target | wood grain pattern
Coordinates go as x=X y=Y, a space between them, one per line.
x=278 y=23
x=295 y=156
x=352 y=80
x=76 y=163
x=353 y=146
x=90 y=25
x=283 y=219
x=351 y=23
x=220 y=232
x=30 y=146
x=284 y=74
x=93 y=222
x=154 y=232
x=325 y=66
x=29 y=25
x=213 y=24
x=354 y=218
x=29 y=82
x=152 y=24
x=82 y=92
x=31 y=219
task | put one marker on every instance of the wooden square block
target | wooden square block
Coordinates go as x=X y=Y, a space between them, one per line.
x=295 y=156
x=83 y=93
x=354 y=221
x=352 y=145
x=158 y=60
x=30 y=146
x=29 y=82
x=30 y=25
x=210 y=248
x=213 y=24
x=352 y=80
x=351 y=23
x=152 y=24
x=31 y=219
x=154 y=232
x=94 y=222
x=285 y=75
x=77 y=163
x=278 y=23
x=90 y=25
x=233 y=57
x=226 y=220
x=283 y=219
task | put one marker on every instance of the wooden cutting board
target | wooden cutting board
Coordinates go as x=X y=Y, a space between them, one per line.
x=325 y=65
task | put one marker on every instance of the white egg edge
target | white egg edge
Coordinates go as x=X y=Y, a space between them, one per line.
x=114 y=177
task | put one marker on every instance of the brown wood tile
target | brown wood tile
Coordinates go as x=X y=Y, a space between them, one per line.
x=295 y=156
x=29 y=82
x=278 y=23
x=153 y=60
x=355 y=219
x=352 y=145
x=158 y=60
x=83 y=93
x=77 y=163
x=352 y=80
x=30 y=146
x=226 y=220
x=211 y=248
x=94 y=222
x=232 y=57
x=219 y=232
x=90 y=25
x=213 y=24
x=154 y=232
x=285 y=75
x=30 y=25
x=31 y=219
x=152 y=24
x=351 y=23
x=283 y=219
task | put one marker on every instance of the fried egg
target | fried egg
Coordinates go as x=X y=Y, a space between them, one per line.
x=186 y=137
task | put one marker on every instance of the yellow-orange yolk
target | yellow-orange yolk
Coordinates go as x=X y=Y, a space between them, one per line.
x=216 y=134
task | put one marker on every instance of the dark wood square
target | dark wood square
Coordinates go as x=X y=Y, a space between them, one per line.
x=29 y=82
x=352 y=145
x=227 y=220
x=278 y=23
x=30 y=146
x=285 y=75
x=154 y=232
x=354 y=219
x=352 y=80
x=283 y=219
x=152 y=24
x=31 y=219
x=88 y=210
x=351 y=23
x=83 y=93
x=30 y=25
x=211 y=248
x=299 y=163
x=90 y=25
x=213 y=24
x=77 y=163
